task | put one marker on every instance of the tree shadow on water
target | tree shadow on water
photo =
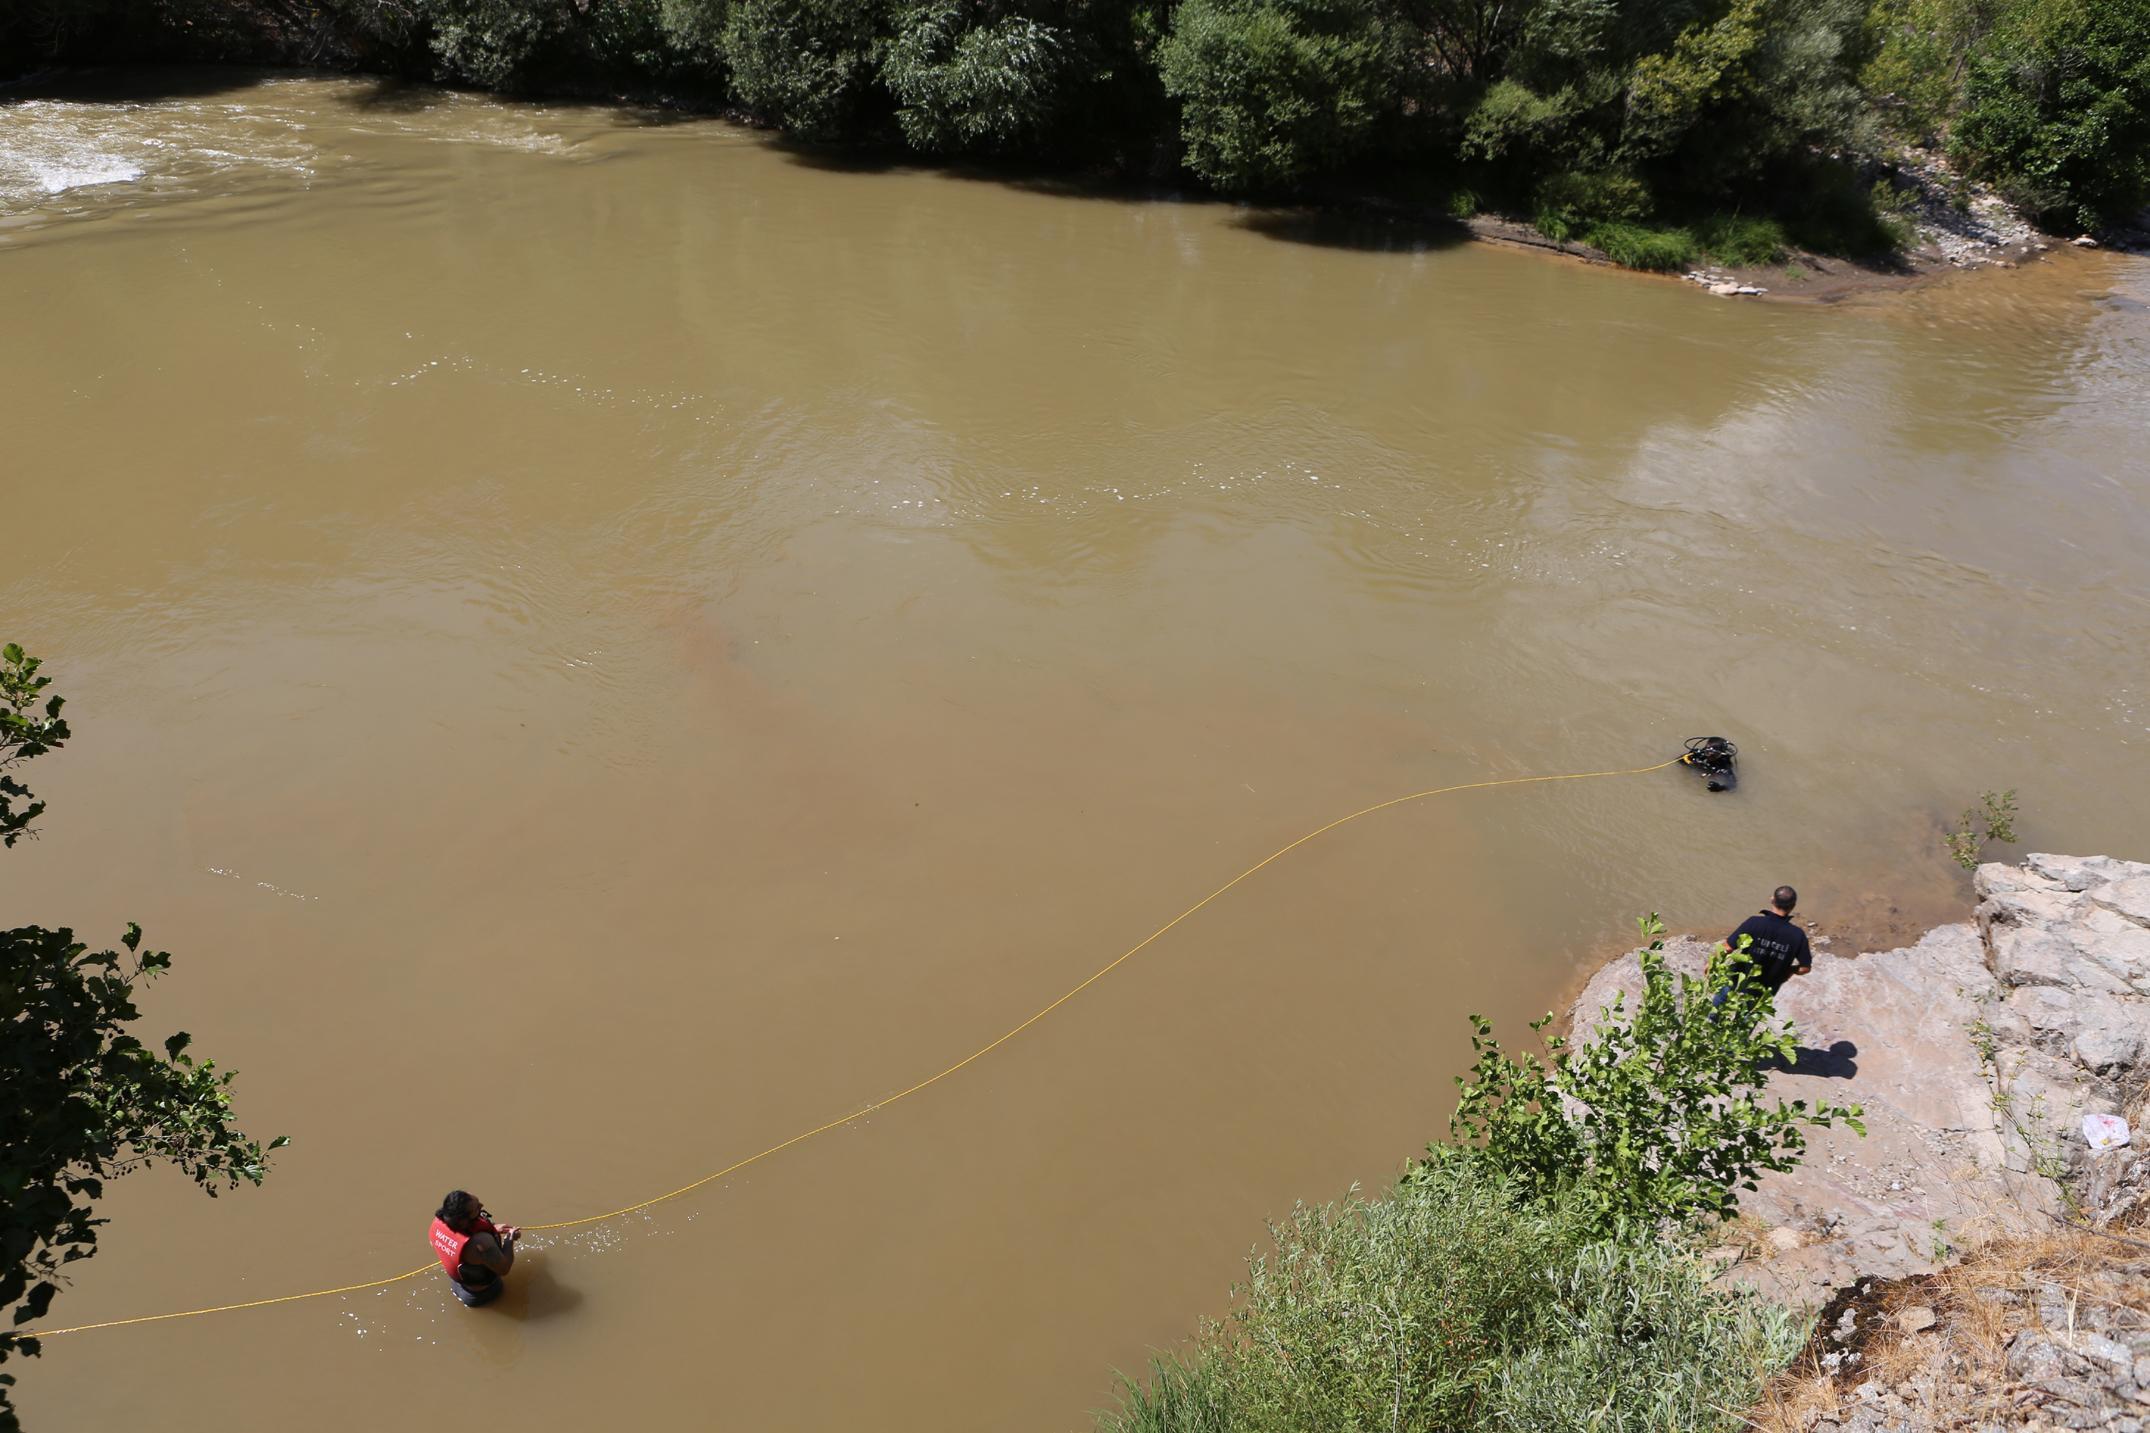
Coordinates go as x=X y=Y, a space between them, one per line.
x=1360 y=231
x=405 y=94
x=392 y=94
x=137 y=83
x=1016 y=175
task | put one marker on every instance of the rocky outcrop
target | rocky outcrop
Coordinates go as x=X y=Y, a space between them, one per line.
x=2068 y=942
x=1965 y=223
x=1975 y=1053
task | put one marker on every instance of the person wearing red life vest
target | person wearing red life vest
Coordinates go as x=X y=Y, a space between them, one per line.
x=476 y=1252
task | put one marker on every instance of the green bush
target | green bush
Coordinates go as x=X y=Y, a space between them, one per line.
x=2056 y=109
x=1917 y=52
x=1570 y=202
x=1640 y=246
x=1456 y=1303
x=963 y=80
x=694 y=29
x=1762 y=82
x=1370 y=1313
x=1511 y=123
x=526 y=45
x=807 y=65
x=1272 y=91
x=1741 y=239
x=1828 y=209
x=1632 y=1338
x=1659 y=1114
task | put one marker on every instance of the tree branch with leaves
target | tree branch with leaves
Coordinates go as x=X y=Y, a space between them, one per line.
x=82 y=1098
x=1660 y=1114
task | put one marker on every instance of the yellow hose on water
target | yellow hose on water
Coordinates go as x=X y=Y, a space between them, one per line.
x=882 y=1104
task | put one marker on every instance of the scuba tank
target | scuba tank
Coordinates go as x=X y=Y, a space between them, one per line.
x=1715 y=760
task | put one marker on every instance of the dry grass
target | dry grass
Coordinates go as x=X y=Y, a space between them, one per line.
x=1956 y=1373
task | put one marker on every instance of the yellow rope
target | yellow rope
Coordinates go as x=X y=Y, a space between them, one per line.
x=883 y=1104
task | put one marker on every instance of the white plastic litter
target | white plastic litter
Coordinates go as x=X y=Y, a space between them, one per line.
x=2105 y=1131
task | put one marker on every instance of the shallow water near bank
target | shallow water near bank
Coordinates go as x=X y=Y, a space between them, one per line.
x=600 y=643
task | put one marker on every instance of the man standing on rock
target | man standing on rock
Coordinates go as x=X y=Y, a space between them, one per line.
x=1775 y=941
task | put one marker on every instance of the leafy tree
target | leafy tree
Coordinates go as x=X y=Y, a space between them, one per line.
x=1471 y=40
x=1760 y=84
x=2056 y=109
x=966 y=78
x=82 y=1099
x=695 y=28
x=1272 y=91
x=1919 y=51
x=1659 y=1115
x=807 y=65
x=494 y=43
x=525 y=45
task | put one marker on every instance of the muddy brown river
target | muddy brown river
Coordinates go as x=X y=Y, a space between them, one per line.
x=601 y=643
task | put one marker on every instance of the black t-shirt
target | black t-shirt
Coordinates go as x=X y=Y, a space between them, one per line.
x=1779 y=946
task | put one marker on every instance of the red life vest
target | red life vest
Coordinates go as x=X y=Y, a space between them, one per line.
x=449 y=1244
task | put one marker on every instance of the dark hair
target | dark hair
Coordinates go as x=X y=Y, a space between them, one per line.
x=457 y=1209
x=1785 y=899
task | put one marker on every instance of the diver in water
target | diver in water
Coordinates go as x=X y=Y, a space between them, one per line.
x=1715 y=760
x=476 y=1252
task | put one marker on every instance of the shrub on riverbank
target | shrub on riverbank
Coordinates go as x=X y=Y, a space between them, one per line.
x=1626 y=113
x=1637 y=246
x=1272 y=91
x=1459 y=1302
x=2056 y=109
x=1540 y=1272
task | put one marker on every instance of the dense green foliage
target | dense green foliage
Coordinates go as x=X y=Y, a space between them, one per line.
x=1272 y=91
x=82 y=1099
x=806 y=64
x=2057 y=109
x=2049 y=99
x=1539 y=1272
x=963 y=80
x=1459 y=1302
x=1636 y=125
x=1659 y=1115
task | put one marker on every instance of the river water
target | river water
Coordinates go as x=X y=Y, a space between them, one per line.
x=601 y=643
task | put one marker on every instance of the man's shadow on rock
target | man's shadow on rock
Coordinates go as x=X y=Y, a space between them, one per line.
x=1838 y=1062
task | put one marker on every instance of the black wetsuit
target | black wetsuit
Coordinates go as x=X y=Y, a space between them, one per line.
x=474 y=1284
x=1779 y=947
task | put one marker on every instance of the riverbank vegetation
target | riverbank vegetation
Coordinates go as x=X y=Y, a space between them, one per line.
x=1657 y=130
x=82 y=1099
x=1542 y=1270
